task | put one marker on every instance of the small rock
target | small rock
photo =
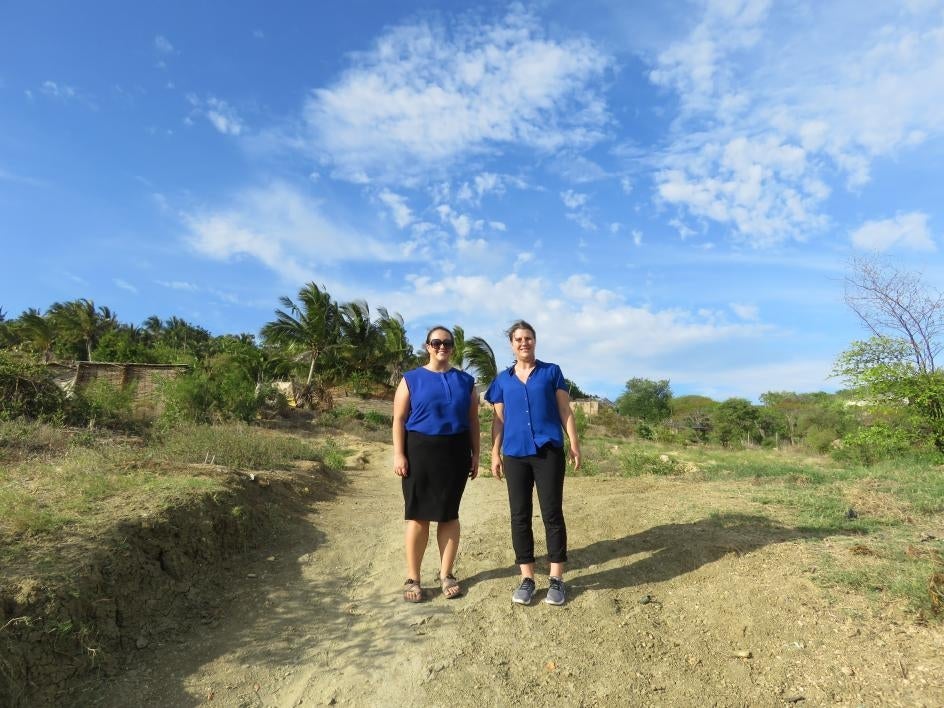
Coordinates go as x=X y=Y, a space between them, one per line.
x=847 y=670
x=250 y=575
x=270 y=558
x=743 y=654
x=645 y=599
x=550 y=666
x=796 y=698
x=925 y=536
x=141 y=643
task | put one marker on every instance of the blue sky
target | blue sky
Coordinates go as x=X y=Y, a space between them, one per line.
x=671 y=192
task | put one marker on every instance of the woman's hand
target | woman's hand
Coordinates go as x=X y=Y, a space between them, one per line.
x=401 y=468
x=474 y=469
x=497 y=471
x=575 y=457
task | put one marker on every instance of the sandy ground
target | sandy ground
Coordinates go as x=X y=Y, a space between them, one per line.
x=679 y=594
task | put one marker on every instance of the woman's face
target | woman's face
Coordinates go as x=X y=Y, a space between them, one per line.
x=522 y=344
x=440 y=346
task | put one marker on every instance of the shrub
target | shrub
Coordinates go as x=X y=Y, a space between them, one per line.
x=219 y=390
x=867 y=446
x=103 y=403
x=27 y=389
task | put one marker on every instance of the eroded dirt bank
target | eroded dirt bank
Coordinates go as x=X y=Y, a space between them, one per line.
x=151 y=578
x=680 y=593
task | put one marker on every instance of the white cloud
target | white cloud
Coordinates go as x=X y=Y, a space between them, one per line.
x=177 y=285
x=572 y=199
x=221 y=115
x=125 y=285
x=163 y=45
x=582 y=219
x=637 y=237
x=745 y=312
x=402 y=215
x=282 y=229
x=766 y=125
x=57 y=90
x=427 y=95
x=905 y=230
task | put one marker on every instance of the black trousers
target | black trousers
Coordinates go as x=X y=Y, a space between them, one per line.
x=545 y=470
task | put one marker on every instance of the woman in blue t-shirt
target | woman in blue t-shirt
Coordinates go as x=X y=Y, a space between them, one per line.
x=435 y=452
x=532 y=407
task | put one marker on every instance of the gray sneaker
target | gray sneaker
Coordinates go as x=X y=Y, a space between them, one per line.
x=555 y=592
x=524 y=593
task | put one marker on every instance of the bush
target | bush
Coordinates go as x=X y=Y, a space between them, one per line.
x=869 y=445
x=219 y=390
x=27 y=389
x=103 y=403
x=580 y=421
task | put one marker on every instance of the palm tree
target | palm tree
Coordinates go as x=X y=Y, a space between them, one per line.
x=360 y=337
x=312 y=326
x=38 y=331
x=459 y=354
x=481 y=359
x=397 y=351
x=82 y=321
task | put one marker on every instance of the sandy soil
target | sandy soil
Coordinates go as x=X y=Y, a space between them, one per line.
x=680 y=593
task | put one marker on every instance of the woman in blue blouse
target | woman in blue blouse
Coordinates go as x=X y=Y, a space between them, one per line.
x=435 y=451
x=532 y=407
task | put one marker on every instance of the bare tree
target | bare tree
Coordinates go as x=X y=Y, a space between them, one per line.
x=896 y=303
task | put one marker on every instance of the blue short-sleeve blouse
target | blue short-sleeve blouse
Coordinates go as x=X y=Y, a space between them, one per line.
x=532 y=418
x=439 y=402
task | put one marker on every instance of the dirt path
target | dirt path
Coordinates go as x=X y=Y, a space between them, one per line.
x=734 y=618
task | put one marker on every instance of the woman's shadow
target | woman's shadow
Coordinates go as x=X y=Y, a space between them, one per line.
x=670 y=550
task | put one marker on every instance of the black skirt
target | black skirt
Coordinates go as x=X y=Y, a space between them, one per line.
x=438 y=471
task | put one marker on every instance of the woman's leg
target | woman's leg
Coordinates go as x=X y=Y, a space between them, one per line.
x=549 y=479
x=519 y=478
x=447 y=536
x=416 y=536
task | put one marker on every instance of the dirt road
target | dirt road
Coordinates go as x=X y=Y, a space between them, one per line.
x=680 y=593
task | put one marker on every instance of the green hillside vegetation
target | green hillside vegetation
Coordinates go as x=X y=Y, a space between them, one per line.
x=867 y=459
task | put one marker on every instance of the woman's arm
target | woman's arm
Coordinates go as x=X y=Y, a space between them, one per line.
x=570 y=425
x=498 y=434
x=474 y=433
x=401 y=411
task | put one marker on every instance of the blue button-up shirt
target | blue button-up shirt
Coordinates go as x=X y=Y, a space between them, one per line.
x=532 y=418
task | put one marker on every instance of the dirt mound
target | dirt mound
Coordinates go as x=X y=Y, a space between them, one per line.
x=151 y=578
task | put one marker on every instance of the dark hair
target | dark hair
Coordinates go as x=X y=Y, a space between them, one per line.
x=433 y=329
x=520 y=324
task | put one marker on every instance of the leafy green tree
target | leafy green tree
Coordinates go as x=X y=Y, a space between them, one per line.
x=896 y=367
x=125 y=343
x=481 y=359
x=310 y=329
x=179 y=340
x=361 y=341
x=734 y=420
x=37 y=332
x=397 y=350
x=646 y=399
x=459 y=357
x=80 y=322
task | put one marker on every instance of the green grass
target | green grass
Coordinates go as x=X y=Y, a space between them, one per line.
x=79 y=480
x=891 y=500
x=233 y=445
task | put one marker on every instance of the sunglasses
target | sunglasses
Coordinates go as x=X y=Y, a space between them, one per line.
x=441 y=343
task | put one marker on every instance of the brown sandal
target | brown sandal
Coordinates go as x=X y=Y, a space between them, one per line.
x=450 y=587
x=412 y=592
